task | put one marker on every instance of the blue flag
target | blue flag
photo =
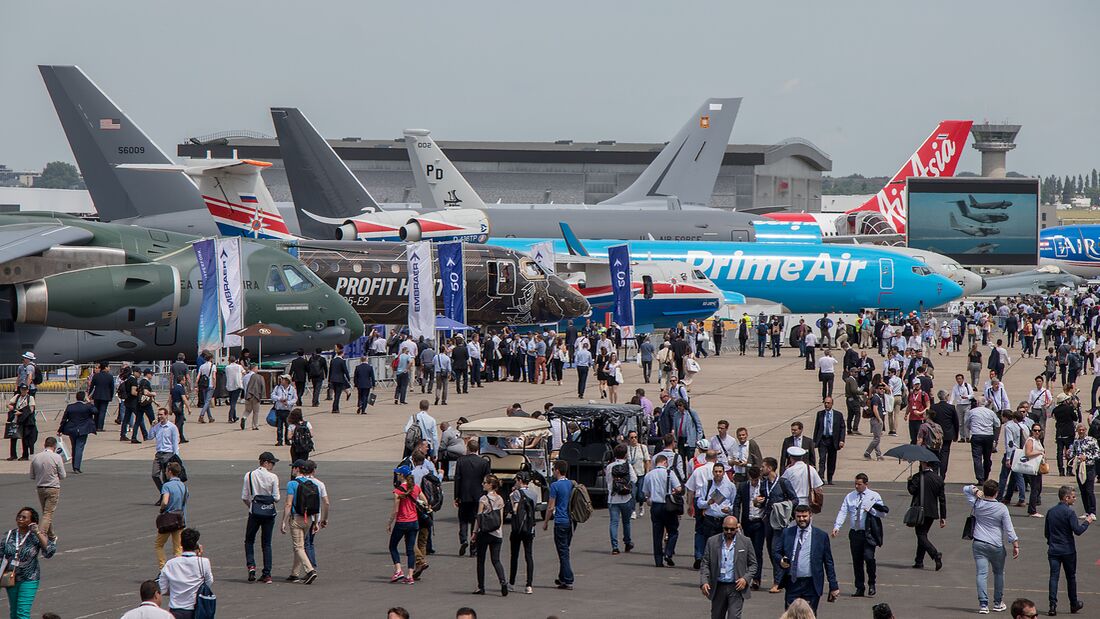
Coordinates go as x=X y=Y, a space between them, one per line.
x=453 y=277
x=618 y=263
x=209 y=319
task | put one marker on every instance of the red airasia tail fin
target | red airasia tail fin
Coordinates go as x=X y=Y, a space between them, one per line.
x=937 y=156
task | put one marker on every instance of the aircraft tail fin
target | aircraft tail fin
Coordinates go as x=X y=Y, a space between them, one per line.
x=234 y=193
x=938 y=155
x=576 y=248
x=954 y=223
x=438 y=182
x=102 y=138
x=687 y=167
x=323 y=186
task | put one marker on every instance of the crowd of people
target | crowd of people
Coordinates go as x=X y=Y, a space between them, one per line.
x=741 y=503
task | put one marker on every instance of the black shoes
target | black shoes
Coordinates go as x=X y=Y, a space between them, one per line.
x=939 y=562
x=462 y=549
x=251 y=574
x=504 y=589
x=871 y=591
x=669 y=562
x=1075 y=608
x=858 y=593
x=310 y=577
x=697 y=564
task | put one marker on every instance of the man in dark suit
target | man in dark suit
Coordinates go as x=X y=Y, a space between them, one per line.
x=299 y=373
x=316 y=369
x=470 y=470
x=797 y=440
x=728 y=562
x=805 y=559
x=935 y=508
x=829 y=429
x=944 y=414
x=77 y=422
x=1060 y=526
x=364 y=382
x=338 y=378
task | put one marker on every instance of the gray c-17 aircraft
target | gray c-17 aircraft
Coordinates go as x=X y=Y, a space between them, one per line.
x=988 y=205
x=80 y=291
x=971 y=230
x=985 y=218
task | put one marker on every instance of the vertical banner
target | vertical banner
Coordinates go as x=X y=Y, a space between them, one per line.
x=421 y=290
x=230 y=288
x=543 y=255
x=618 y=262
x=453 y=275
x=209 y=321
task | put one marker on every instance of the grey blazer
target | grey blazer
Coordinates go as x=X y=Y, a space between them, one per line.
x=744 y=566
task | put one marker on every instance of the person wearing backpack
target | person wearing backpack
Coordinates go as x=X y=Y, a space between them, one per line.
x=421 y=426
x=431 y=489
x=182 y=577
x=621 y=481
x=524 y=499
x=930 y=436
x=300 y=436
x=306 y=499
x=316 y=370
x=561 y=491
x=487 y=534
x=207 y=375
x=260 y=495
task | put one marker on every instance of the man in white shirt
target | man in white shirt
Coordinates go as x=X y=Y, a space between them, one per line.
x=167 y=438
x=150 y=603
x=429 y=431
x=802 y=476
x=810 y=340
x=408 y=347
x=723 y=443
x=260 y=487
x=234 y=386
x=826 y=372
x=181 y=576
x=996 y=396
x=961 y=394
x=1040 y=401
x=859 y=506
x=897 y=395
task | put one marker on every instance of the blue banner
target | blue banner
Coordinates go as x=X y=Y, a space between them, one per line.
x=618 y=263
x=453 y=276
x=209 y=335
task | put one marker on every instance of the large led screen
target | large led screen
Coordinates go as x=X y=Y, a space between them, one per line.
x=977 y=221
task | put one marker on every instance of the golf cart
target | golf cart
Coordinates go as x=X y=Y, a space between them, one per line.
x=599 y=427
x=525 y=444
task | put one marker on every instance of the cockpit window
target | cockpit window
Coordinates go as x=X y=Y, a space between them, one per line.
x=922 y=270
x=275 y=281
x=697 y=274
x=297 y=281
x=531 y=269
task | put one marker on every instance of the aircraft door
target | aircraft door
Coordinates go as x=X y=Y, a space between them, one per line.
x=166 y=335
x=1061 y=246
x=886 y=273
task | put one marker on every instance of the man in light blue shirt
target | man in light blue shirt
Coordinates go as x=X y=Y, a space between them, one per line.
x=442 y=365
x=991 y=523
x=167 y=439
x=429 y=431
x=404 y=362
x=656 y=486
x=583 y=360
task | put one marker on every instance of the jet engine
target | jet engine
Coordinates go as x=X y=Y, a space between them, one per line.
x=448 y=225
x=380 y=226
x=115 y=297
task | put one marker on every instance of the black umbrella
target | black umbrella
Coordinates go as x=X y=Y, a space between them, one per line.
x=912 y=453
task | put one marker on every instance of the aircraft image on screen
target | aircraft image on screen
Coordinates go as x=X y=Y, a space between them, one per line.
x=971 y=230
x=984 y=218
x=987 y=205
x=984 y=248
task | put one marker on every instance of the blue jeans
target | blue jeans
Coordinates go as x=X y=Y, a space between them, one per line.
x=408 y=530
x=563 y=536
x=78 y=449
x=234 y=395
x=265 y=526
x=311 y=550
x=985 y=556
x=1069 y=564
x=21 y=598
x=281 y=426
x=207 y=402
x=1007 y=480
x=619 y=511
x=135 y=417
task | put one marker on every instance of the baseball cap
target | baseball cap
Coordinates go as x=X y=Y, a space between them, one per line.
x=267 y=456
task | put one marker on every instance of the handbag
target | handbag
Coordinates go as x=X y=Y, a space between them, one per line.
x=674 y=503
x=968 y=527
x=914 y=516
x=206 y=603
x=489 y=520
x=12 y=429
x=263 y=505
x=816 y=496
x=61 y=449
x=271 y=419
x=1044 y=468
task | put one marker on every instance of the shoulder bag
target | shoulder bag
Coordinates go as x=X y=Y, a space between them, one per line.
x=489 y=520
x=968 y=526
x=914 y=516
x=674 y=503
x=7 y=576
x=263 y=505
x=170 y=522
x=206 y=603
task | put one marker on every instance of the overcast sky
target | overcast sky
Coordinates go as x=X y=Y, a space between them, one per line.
x=865 y=81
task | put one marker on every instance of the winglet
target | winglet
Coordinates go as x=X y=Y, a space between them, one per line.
x=571 y=240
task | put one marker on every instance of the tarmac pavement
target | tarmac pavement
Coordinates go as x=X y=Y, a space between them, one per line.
x=105 y=517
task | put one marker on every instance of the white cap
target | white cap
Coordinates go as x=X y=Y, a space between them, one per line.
x=797 y=452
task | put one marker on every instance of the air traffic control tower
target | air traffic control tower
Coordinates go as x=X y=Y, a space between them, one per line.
x=994 y=141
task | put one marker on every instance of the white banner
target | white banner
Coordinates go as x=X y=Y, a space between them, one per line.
x=543 y=255
x=230 y=287
x=421 y=290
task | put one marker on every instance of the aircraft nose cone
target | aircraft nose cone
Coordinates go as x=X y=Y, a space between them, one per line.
x=572 y=304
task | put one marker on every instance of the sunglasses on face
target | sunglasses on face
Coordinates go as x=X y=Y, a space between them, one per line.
x=734 y=529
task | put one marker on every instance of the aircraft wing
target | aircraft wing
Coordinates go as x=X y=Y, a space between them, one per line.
x=20 y=240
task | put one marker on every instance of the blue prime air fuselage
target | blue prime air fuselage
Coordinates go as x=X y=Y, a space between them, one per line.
x=804 y=278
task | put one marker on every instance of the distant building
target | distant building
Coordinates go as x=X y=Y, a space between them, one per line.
x=752 y=175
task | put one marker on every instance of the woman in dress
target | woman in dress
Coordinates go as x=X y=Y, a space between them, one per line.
x=601 y=371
